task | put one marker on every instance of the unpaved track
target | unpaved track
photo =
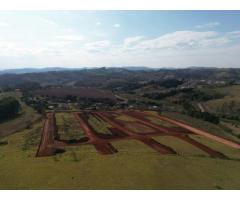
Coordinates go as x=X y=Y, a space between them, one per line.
x=199 y=132
x=101 y=146
x=146 y=140
x=183 y=137
x=49 y=143
x=47 y=140
x=143 y=120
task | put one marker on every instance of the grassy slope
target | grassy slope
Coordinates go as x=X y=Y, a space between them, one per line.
x=181 y=147
x=25 y=118
x=232 y=94
x=230 y=152
x=136 y=166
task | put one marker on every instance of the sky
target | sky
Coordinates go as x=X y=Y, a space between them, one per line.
x=119 y=38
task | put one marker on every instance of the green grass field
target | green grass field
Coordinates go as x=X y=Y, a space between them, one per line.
x=181 y=147
x=135 y=166
x=229 y=152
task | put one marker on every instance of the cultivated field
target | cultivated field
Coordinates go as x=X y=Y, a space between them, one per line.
x=167 y=157
x=100 y=129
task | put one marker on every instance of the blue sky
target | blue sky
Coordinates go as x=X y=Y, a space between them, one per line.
x=119 y=38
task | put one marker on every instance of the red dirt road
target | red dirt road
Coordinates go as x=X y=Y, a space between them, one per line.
x=208 y=150
x=141 y=119
x=101 y=146
x=47 y=140
x=146 y=140
x=50 y=144
x=199 y=132
x=184 y=137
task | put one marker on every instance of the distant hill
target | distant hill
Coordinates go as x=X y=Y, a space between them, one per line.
x=49 y=69
x=106 y=76
x=34 y=70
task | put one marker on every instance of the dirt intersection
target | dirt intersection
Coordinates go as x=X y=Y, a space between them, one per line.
x=50 y=144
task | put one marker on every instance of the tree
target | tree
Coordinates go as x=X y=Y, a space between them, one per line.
x=9 y=107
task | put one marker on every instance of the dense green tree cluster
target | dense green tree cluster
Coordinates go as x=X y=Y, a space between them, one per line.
x=9 y=107
x=185 y=94
x=198 y=95
x=168 y=83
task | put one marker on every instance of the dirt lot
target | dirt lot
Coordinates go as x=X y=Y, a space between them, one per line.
x=100 y=129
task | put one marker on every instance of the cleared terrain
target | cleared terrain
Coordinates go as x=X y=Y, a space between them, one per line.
x=135 y=166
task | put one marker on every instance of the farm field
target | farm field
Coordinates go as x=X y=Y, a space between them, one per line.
x=101 y=128
x=68 y=128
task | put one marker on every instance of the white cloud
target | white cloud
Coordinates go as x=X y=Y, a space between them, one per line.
x=182 y=40
x=235 y=34
x=131 y=41
x=180 y=48
x=116 y=25
x=4 y=24
x=70 y=37
x=208 y=25
x=97 y=46
x=98 y=24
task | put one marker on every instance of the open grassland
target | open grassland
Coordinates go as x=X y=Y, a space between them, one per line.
x=135 y=166
x=132 y=147
x=229 y=152
x=68 y=127
x=26 y=117
x=181 y=147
